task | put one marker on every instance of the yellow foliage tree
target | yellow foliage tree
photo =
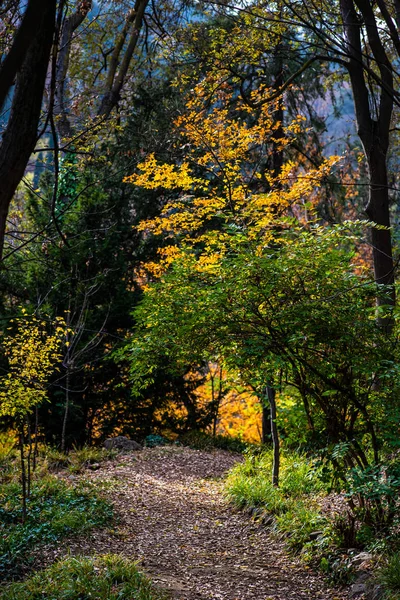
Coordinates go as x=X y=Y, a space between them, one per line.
x=221 y=184
x=222 y=179
x=32 y=355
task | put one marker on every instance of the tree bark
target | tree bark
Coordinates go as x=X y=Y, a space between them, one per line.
x=71 y=23
x=266 y=425
x=275 y=437
x=66 y=410
x=23 y=39
x=373 y=130
x=21 y=132
x=111 y=96
x=23 y=471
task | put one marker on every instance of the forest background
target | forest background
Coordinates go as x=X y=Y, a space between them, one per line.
x=194 y=237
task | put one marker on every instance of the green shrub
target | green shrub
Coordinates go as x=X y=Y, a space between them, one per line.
x=297 y=475
x=204 y=441
x=76 y=460
x=389 y=577
x=151 y=441
x=374 y=492
x=293 y=503
x=298 y=520
x=108 y=577
x=54 y=510
x=8 y=457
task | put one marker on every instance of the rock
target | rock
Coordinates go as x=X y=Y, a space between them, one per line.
x=94 y=467
x=314 y=535
x=257 y=513
x=357 y=589
x=362 y=577
x=361 y=559
x=122 y=443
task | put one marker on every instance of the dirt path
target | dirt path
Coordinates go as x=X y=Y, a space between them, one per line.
x=174 y=520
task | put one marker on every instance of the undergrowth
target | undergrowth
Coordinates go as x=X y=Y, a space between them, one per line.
x=55 y=510
x=293 y=511
x=76 y=460
x=200 y=440
x=389 y=577
x=293 y=504
x=108 y=577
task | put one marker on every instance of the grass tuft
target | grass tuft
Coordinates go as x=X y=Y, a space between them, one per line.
x=389 y=577
x=109 y=577
x=293 y=504
x=199 y=440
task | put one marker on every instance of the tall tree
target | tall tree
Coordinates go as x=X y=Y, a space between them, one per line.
x=38 y=59
x=27 y=62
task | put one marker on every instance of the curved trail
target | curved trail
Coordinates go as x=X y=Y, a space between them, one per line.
x=173 y=518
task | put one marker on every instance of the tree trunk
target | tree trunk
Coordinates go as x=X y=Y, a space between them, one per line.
x=23 y=472
x=66 y=410
x=23 y=39
x=275 y=437
x=20 y=136
x=35 y=450
x=373 y=130
x=381 y=239
x=266 y=425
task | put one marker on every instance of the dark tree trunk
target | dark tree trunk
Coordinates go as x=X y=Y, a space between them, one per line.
x=23 y=39
x=71 y=23
x=266 y=425
x=378 y=211
x=23 y=471
x=275 y=437
x=373 y=130
x=20 y=136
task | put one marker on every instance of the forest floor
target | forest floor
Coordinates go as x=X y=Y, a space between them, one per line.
x=173 y=518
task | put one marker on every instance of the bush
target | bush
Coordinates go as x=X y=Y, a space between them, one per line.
x=76 y=460
x=55 y=510
x=151 y=441
x=103 y=578
x=374 y=492
x=204 y=441
x=293 y=503
x=389 y=577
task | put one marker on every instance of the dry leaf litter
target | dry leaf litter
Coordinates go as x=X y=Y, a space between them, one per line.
x=173 y=518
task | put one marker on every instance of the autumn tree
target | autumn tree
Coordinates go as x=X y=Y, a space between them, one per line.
x=33 y=355
x=362 y=39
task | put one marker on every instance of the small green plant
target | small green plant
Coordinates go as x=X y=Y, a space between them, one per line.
x=374 y=492
x=293 y=504
x=108 y=577
x=76 y=460
x=389 y=577
x=152 y=441
x=200 y=440
x=298 y=520
x=55 y=510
